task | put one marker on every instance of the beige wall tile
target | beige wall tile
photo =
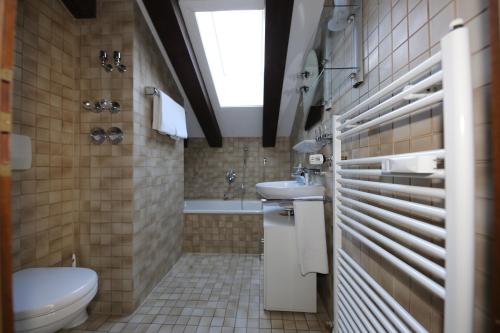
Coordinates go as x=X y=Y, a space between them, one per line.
x=411 y=38
x=101 y=202
x=205 y=167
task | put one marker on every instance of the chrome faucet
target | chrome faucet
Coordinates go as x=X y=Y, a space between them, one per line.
x=231 y=176
x=103 y=58
x=117 y=57
x=302 y=174
x=229 y=194
x=230 y=179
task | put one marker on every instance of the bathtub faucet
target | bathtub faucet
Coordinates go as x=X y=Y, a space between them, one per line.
x=230 y=193
x=231 y=176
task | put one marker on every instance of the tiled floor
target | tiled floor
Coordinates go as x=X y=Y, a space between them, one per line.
x=209 y=294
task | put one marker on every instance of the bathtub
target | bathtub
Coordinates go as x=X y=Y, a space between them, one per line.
x=218 y=226
x=205 y=206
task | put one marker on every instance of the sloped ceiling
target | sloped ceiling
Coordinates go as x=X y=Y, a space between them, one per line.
x=248 y=122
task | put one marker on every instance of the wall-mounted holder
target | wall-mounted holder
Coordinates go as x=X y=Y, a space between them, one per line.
x=151 y=91
x=117 y=57
x=97 y=135
x=103 y=58
x=117 y=60
x=324 y=138
x=115 y=135
x=103 y=104
x=115 y=107
x=342 y=17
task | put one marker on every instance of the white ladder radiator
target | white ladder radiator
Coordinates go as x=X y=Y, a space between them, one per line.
x=425 y=227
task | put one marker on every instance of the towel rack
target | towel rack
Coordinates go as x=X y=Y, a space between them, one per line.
x=152 y=91
x=425 y=228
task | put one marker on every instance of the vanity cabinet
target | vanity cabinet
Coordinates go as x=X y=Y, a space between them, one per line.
x=285 y=289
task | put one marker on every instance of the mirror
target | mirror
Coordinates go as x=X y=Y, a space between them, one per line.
x=313 y=116
x=311 y=80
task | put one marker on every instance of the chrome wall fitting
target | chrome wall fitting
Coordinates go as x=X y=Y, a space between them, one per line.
x=98 y=135
x=115 y=107
x=323 y=137
x=115 y=135
x=103 y=57
x=91 y=106
x=103 y=104
x=231 y=176
x=117 y=56
x=88 y=105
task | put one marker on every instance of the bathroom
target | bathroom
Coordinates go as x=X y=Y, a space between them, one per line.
x=281 y=191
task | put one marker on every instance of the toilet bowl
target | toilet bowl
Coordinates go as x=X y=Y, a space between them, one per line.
x=49 y=299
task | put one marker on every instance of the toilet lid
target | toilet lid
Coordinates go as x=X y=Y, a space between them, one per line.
x=39 y=291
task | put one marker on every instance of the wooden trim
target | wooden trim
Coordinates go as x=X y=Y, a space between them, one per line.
x=495 y=147
x=81 y=9
x=278 y=21
x=7 y=26
x=167 y=19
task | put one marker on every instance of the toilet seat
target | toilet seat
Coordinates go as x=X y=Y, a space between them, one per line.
x=47 y=299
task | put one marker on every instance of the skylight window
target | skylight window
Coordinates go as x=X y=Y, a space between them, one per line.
x=234 y=47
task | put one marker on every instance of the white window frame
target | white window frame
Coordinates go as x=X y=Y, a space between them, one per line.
x=188 y=9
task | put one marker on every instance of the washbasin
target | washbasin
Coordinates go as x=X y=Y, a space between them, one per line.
x=288 y=189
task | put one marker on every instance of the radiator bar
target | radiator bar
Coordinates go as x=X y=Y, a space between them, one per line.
x=358 y=317
x=365 y=304
x=425 y=210
x=399 y=219
x=433 y=192
x=410 y=255
x=424 y=84
x=425 y=281
x=425 y=102
x=437 y=153
x=422 y=245
x=438 y=174
x=368 y=283
x=417 y=71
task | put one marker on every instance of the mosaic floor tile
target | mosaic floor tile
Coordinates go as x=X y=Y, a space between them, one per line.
x=204 y=293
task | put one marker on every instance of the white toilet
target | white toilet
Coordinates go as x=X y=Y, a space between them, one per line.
x=49 y=299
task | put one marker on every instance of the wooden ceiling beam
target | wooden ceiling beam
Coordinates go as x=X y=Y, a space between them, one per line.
x=169 y=24
x=81 y=9
x=278 y=21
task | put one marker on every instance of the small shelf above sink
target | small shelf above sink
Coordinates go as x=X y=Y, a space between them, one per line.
x=288 y=190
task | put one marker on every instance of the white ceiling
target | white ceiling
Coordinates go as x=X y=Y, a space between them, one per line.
x=247 y=122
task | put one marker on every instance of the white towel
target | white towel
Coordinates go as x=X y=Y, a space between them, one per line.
x=311 y=236
x=169 y=118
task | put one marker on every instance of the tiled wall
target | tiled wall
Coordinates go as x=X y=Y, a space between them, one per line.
x=104 y=202
x=45 y=106
x=223 y=233
x=105 y=171
x=205 y=167
x=398 y=35
x=158 y=171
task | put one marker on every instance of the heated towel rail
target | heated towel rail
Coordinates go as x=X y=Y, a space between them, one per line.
x=423 y=227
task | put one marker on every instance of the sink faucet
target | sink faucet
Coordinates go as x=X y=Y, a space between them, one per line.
x=302 y=174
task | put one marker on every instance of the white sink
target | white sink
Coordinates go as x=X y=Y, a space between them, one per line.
x=288 y=189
